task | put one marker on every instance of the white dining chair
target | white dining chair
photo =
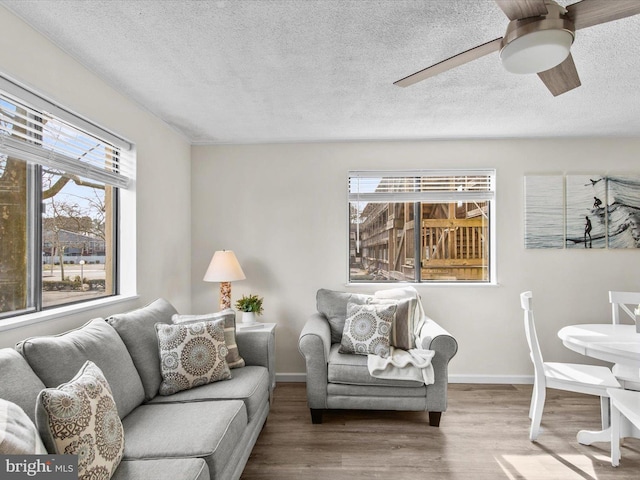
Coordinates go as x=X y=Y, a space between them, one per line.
x=625 y=301
x=572 y=377
x=623 y=403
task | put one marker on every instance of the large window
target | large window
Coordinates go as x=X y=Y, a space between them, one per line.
x=421 y=226
x=59 y=187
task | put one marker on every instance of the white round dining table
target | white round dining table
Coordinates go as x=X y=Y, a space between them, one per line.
x=615 y=343
x=618 y=343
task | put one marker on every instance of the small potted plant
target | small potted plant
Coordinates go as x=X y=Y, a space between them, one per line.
x=250 y=306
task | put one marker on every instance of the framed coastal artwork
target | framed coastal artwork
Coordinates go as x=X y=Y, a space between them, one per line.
x=582 y=211
x=623 y=211
x=586 y=219
x=544 y=211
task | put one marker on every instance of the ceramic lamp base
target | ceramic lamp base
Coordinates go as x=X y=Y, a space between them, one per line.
x=225 y=295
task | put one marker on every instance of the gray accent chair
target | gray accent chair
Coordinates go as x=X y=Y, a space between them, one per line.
x=342 y=381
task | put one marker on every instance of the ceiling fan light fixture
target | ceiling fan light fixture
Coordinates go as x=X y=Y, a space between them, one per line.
x=537 y=51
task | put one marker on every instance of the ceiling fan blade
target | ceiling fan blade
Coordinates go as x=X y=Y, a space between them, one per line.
x=517 y=9
x=451 y=62
x=561 y=78
x=594 y=12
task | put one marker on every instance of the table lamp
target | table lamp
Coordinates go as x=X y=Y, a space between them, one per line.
x=224 y=268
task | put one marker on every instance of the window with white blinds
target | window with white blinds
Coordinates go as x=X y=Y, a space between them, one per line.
x=421 y=226
x=60 y=182
x=38 y=131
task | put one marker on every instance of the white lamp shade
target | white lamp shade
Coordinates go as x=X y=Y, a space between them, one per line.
x=536 y=51
x=224 y=267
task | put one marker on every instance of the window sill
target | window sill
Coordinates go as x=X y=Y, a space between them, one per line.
x=37 y=317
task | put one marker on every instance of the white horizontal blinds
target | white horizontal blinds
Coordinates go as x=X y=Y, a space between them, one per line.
x=421 y=186
x=38 y=136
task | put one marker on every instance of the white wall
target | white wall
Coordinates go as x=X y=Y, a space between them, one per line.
x=163 y=169
x=283 y=210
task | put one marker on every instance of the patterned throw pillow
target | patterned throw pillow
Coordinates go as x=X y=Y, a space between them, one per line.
x=234 y=360
x=81 y=418
x=402 y=335
x=367 y=329
x=191 y=355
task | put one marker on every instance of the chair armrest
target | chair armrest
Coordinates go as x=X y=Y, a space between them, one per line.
x=258 y=348
x=314 y=345
x=434 y=337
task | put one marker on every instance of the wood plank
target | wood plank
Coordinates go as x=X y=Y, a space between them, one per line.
x=483 y=436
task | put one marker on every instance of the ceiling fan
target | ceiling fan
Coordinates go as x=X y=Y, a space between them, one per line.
x=538 y=40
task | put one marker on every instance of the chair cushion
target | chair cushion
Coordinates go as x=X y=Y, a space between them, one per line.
x=18 y=382
x=137 y=330
x=191 y=355
x=333 y=305
x=208 y=430
x=367 y=329
x=56 y=359
x=249 y=384
x=351 y=369
x=80 y=418
x=234 y=360
x=18 y=434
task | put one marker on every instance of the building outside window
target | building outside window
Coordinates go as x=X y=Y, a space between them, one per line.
x=59 y=189
x=421 y=226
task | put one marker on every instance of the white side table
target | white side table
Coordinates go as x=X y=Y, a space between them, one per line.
x=259 y=328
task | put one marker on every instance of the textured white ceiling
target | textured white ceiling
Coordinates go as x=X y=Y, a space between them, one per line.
x=247 y=71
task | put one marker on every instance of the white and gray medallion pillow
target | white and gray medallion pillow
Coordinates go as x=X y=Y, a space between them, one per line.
x=80 y=418
x=234 y=360
x=367 y=329
x=191 y=355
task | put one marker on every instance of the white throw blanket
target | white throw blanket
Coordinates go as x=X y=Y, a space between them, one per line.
x=414 y=364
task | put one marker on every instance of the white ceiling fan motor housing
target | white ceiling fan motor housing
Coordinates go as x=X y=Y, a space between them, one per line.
x=533 y=45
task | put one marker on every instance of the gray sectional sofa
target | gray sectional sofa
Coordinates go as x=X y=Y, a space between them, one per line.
x=206 y=432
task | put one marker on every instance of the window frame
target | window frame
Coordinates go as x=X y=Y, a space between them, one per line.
x=489 y=196
x=124 y=196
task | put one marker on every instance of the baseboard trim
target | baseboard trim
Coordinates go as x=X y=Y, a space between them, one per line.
x=291 y=377
x=454 y=378
x=497 y=379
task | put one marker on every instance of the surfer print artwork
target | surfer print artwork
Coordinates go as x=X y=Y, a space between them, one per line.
x=586 y=222
x=544 y=211
x=583 y=211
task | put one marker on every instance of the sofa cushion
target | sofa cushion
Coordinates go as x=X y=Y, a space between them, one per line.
x=191 y=355
x=249 y=384
x=161 y=469
x=333 y=305
x=56 y=360
x=208 y=430
x=367 y=329
x=234 y=360
x=352 y=370
x=18 y=383
x=18 y=434
x=138 y=333
x=80 y=418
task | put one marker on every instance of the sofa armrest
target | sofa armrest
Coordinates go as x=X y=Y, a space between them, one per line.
x=259 y=349
x=314 y=345
x=445 y=346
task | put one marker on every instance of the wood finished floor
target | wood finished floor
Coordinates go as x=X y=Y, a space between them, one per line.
x=482 y=436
